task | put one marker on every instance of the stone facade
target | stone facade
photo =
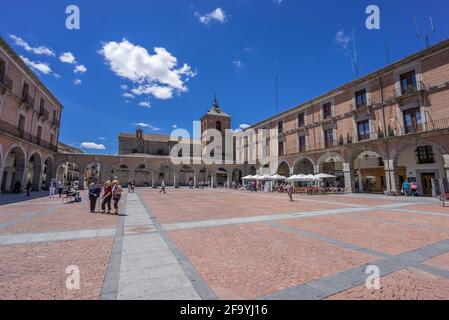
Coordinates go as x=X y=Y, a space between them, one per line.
x=372 y=133
x=29 y=125
x=375 y=132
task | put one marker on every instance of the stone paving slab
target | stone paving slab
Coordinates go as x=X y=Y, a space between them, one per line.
x=148 y=268
x=12 y=239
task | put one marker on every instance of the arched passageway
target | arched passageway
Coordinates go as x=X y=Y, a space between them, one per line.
x=237 y=176
x=369 y=173
x=284 y=170
x=34 y=172
x=186 y=176
x=304 y=166
x=68 y=172
x=423 y=164
x=14 y=170
x=121 y=174
x=222 y=177
x=143 y=176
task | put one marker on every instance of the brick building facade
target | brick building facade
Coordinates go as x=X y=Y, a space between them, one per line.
x=29 y=125
x=372 y=133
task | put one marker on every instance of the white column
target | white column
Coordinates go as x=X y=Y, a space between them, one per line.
x=349 y=181
x=1 y=176
x=390 y=177
x=195 y=180
x=446 y=166
x=175 y=180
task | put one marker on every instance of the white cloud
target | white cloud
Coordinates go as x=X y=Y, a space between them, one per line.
x=238 y=64
x=67 y=57
x=128 y=95
x=145 y=104
x=157 y=75
x=342 y=39
x=216 y=15
x=146 y=125
x=159 y=92
x=77 y=82
x=37 y=66
x=93 y=145
x=174 y=126
x=244 y=126
x=101 y=138
x=80 y=69
x=124 y=87
x=141 y=124
x=41 y=50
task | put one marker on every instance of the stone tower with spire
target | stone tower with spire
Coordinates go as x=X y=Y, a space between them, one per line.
x=215 y=118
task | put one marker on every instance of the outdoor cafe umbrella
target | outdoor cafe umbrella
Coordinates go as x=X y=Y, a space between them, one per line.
x=248 y=178
x=311 y=177
x=298 y=177
x=324 y=176
x=278 y=177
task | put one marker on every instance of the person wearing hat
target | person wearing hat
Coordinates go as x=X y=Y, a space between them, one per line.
x=107 y=197
x=94 y=194
x=116 y=194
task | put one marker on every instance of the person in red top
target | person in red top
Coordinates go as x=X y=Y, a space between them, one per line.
x=107 y=197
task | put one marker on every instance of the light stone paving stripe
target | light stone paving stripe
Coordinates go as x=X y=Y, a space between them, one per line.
x=111 y=281
x=15 y=239
x=148 y=268
x=331 y=285
x=265 y=218
x=198 y=282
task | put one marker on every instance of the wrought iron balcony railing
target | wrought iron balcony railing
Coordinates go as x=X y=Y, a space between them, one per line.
x=22 y=134
x=27 y=99
x=6 y=81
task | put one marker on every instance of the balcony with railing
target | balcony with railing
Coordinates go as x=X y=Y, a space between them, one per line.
x=8 y=128
x=28 y=100
x=43 y=113
x=55 y=123
x=410 y=89
x=5 y=82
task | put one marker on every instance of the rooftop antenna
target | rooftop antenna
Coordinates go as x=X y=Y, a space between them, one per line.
x=432 y=27
x=355 y=66
x=416 y=26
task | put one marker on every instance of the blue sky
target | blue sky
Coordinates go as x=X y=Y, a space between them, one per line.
x=231 y=51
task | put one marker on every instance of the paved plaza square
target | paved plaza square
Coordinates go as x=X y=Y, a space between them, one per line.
x=226 y=244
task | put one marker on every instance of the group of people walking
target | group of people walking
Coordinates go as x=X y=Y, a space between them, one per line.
x=111 y=192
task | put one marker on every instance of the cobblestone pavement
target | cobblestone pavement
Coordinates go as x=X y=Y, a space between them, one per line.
x=220 y=244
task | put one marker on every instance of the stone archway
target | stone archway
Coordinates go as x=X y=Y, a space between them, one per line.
x=13 y=172
x=68 y=172
x=186 y=176
x=252 y=171
x=304 y=165
x=332 y=163
x=143 y=176
x=237 y=176
x=369 y=170
x=422 y=163
x=121 y=174
x=283 y=169
x=222 y=177
x=34 y=171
